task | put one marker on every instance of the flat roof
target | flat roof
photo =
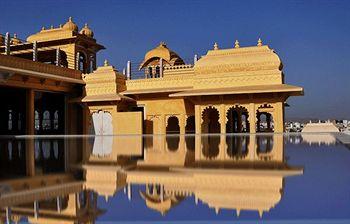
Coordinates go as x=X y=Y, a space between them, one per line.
x=156 y=90
x=276 y=88
x=105 y=97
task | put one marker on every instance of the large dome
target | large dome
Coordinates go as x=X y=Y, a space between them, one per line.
x=163 y=52
x=70 y=25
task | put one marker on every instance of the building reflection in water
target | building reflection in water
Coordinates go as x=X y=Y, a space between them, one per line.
x=234 y=172
x=317 y=139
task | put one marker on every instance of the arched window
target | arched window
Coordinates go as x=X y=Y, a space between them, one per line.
x=46 y=120
x=10 y=120
x=157 y=72
x=92 y=64
x=55 y=120
x=36 y=120
x=150 y=72
x=82 y=62
x=264 y=117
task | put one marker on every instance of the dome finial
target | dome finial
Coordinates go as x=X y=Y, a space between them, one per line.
x=70 y=25
x=87 y=31
x=261 y=212
x=216 y=46
x=106 y=63
x=162 y=43
x=237 y=44
x=259 y=43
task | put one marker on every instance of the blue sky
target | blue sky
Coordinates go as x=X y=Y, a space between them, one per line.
x=311 y=37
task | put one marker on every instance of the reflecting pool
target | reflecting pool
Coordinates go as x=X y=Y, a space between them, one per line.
x=265 y=178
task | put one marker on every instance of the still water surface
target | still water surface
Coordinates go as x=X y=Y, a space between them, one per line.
x=176 y=179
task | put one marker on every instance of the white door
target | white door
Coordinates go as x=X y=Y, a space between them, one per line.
x=103 y=131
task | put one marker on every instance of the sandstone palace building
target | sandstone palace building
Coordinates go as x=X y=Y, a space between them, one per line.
x=50 y=84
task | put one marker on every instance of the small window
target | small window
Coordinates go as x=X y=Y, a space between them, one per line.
x=46 y=120
x=10 y=120
x=36 y=120
x=55 y=120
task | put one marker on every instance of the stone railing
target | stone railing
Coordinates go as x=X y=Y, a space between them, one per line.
x=25 y=64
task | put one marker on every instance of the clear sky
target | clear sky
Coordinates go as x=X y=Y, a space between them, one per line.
x=311 y=37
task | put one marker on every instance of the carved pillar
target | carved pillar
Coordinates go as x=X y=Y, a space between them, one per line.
x=198 y=121
x=222 y=120
x=252 y=118
x=278 y=117
x=182 y=124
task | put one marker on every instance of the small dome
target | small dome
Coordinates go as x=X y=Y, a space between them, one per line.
x=162 y=51
x=87 y=31
x=15 y=40
x=70 y=25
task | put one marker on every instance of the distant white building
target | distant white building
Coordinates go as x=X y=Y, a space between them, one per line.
x=320 y=127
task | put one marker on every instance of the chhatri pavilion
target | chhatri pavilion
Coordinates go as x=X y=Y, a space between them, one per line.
x=56 y=88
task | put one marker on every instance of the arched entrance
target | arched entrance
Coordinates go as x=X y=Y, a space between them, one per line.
x=237 y=120
x=173 y=129
x=210 y=121
x=264 y=117
x=190 y=130
x=210 y=125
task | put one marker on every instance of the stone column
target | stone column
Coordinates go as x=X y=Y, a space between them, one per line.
x=30 y=126
x=182 y=124
x=278 y=118
x=222 y=120
x=252 y=118
x=198 y=121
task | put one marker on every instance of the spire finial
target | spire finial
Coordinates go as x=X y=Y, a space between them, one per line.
x=238 y=212
x=106 y=63
x=162 y=43
x=15 y=35
x=86 y=25
x=216 y=46
x=70 y=19
x=236 y=44
x=43 y=28
x=260 y=43
x=51 y=27
x=217 y=210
